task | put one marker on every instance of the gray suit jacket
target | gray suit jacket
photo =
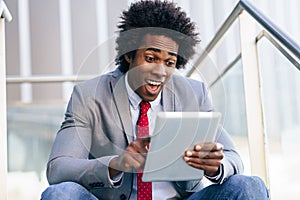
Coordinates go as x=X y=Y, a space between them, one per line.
x=98 y=126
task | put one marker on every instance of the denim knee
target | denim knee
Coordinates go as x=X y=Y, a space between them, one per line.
x=67 y=190
x=248 y=187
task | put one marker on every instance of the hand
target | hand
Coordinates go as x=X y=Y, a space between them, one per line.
x=132 y=159
x=205 y=156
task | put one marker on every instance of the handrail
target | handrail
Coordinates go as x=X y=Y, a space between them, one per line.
x=4 y=16
x=4 y=12
x=217 y=38
x=47 y=79
x=267 y=24
x=271 y=27
x=265 y=34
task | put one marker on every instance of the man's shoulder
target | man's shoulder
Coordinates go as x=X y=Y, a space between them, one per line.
x=101 y=79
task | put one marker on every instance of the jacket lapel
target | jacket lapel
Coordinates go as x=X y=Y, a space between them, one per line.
x=122 y=103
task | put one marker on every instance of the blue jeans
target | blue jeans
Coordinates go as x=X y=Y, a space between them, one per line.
x=67 y=190
x=235 y=187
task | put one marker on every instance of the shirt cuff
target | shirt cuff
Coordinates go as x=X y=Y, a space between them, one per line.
x=218 y=177
x=117 y=179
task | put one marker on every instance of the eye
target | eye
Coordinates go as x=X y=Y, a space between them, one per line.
x=149 y=59
x=170 y=63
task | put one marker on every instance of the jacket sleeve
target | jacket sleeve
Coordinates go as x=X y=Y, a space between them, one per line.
x=68 y=160
x=232 y=163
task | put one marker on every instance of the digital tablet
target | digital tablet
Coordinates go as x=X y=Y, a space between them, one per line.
x=175 y=132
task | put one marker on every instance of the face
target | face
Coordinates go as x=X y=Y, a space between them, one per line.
x=152 y=66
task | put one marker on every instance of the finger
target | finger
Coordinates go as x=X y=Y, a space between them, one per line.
x=138 y=156
x=206 y=168
x=209 y=155
x=131 y=163
x=204 y=154
x=135 y=154
x=144 y=140
x=210 y=167
x=132 y=159
x=218 y=147
x=208 y=146
x=203 y=146
x=199 y=161
x=139 y=146
x=123 y=164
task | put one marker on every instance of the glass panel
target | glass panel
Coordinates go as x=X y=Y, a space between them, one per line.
x=31 y=131
x=281 y=106
x=228 y=97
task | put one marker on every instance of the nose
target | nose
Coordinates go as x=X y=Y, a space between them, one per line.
x=159 y=70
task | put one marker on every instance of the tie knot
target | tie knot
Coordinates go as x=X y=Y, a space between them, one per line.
x=144 y=106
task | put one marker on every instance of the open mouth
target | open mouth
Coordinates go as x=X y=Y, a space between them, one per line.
x=153 y=86
x=154 y=83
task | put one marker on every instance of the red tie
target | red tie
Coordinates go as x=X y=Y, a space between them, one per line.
x=144 y=189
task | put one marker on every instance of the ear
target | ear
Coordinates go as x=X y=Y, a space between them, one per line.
x=127 y=58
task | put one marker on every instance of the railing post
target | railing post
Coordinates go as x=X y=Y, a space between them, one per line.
x=3 y=123
x=4 y=16
x=254 y=112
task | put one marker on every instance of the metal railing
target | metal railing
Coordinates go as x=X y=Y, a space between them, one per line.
x=4 y=16
x=266 y=23
x=282 y=49
x=249 y=17
x=46 y=79
x=4 y=12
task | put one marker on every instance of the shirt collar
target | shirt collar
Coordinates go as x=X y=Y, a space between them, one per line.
x=135 y=99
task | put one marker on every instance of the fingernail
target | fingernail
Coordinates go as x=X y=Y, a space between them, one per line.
x=219 y=146
x=186 y=159
x=188 y=153
x=197 y=147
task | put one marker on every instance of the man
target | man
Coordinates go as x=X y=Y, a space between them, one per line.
x=98 y=149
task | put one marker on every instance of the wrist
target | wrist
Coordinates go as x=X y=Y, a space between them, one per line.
x=112 y=168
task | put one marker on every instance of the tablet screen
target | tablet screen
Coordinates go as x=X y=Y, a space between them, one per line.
x=175 y=132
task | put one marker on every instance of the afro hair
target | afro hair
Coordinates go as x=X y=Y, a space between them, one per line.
x=157 y=18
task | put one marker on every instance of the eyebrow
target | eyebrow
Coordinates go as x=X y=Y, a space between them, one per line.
x=158 y=50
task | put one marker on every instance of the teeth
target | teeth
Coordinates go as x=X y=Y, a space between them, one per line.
x=154 y=82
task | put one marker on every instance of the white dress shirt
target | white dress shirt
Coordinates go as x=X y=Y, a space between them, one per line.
x=160 y=190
